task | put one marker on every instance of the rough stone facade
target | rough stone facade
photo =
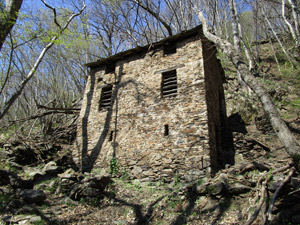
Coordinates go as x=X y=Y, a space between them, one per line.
x=152 y=136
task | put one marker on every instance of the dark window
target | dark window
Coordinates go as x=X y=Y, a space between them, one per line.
x=169 y=84
x=110 y=68
x=105 y=100
x=169 y=48
x=166 y=133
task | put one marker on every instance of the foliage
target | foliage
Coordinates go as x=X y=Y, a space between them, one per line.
x=114 y=169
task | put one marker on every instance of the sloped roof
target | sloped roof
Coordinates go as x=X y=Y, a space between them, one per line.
x=183 y=35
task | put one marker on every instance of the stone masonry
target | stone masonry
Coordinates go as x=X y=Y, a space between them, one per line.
x=154 y=136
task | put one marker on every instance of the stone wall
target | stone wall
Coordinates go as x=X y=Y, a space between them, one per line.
x=134 y=129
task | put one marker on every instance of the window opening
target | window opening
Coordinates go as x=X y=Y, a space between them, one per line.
x=110 y=68
x=169 y=48
x=166 y=133
x=105 y=100
x=111 y=136
x=169 y=83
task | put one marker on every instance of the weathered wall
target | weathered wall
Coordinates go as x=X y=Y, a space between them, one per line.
x=221 y=147
x=139 y=115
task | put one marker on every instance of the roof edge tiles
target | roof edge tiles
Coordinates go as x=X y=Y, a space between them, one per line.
x=139 y=49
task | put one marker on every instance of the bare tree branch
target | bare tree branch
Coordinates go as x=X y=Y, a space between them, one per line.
x=261 y=201
x=155 y=15
x=31 y=73
x=54 y=13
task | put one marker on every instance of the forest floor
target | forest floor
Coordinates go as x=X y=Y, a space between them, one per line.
x=131 y=202
x=126 y=201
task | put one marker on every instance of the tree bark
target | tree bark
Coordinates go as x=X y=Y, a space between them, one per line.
x=8 y=18
x=293 y=33
x=284 y=134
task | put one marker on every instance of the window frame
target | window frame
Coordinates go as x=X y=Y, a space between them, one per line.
x=105 y=98
x=169 y=84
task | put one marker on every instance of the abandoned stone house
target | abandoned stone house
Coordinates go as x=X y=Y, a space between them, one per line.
x=159 y=110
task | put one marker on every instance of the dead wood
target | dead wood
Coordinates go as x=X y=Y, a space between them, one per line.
x=261 y=201
x=42 y=115
x=269 y=212
x=57 y=108
x=264 y=182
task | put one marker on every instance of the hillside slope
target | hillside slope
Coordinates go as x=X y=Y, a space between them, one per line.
x=262 y=187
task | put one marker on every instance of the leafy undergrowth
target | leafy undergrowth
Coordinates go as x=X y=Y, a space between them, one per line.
x=282 y=82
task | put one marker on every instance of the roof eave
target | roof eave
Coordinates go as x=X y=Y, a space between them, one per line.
x=139 y=49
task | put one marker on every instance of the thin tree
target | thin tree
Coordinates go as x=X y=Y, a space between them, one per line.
x=61 y=29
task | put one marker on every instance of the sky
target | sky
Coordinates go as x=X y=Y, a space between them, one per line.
x=34 y=5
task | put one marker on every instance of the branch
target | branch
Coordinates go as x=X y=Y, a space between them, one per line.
x=261 y=201
x=226 y=46
x=42 y=115
x=293 y=33
x=54 y=13
x=54 y=108
x=276 y=36
x=155 y=15
x=19 y=90
x=269 y=213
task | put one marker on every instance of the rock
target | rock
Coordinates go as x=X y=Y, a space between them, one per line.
x=274 y=186
x=69 y=174
x=34 y=173
x=201 y=189
x=35 y=219
x=216 y=189
x=236 y=189
x=295 y=182
x=23 y=154
x=12 y=179
x=69 y=201
x=6 y=219
x=52 y=168
x=15 y=204
x=99 y=182
x=89 y=187
x=136 y=171
x=33 y=196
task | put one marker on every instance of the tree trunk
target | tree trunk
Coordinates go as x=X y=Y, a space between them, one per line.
x=8 y=18
x=284 y=134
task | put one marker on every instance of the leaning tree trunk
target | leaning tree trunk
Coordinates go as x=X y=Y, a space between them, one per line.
x=284 y=134
x=8 y=18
